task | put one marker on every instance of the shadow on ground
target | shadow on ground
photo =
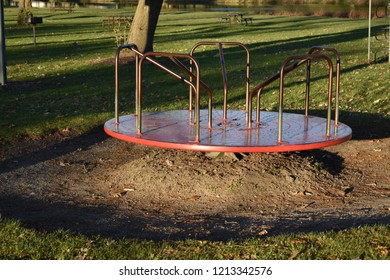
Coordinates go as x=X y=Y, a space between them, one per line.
x=105 y=219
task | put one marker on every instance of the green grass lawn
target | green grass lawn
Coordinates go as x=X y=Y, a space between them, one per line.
x=74 y=54
x=66 y=82
x=369 y=242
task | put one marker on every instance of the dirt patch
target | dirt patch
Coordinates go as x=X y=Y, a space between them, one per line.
x=98 y=185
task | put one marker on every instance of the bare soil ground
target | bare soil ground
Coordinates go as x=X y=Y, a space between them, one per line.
x=102 y=186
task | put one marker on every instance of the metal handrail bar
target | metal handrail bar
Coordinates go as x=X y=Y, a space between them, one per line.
x=312 y=50
x=203 y=85
x=281 y=89
x=260 y=88
x=117 y=55
x=317 y=49
x=224 y=79
x=223 y=70
x=174 y=57
x=140 y=58
x=195 y=87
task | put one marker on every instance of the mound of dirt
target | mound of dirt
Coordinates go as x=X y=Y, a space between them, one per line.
x=97 y=185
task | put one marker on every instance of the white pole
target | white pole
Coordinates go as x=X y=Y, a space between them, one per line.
x=369 y=32
x=3 y=64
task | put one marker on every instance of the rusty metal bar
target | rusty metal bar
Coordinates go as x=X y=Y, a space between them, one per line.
x=117 y=56
x=318 y=49
x=260 y=87
x=257 y=107
x=224 y=79
x=195 y=87
x=140 y=58
x=138 y=90
x=202 y=84
x=307 y=97
x=222 y=62
x=190 y=92
x=259 y=90
x=281 y=89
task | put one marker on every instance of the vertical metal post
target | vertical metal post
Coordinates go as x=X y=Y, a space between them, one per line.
x=330 y=90
x=137 y=93
x=307 y=99
x=257 y=107
x=281 y=93
x=336 y=117
x=197 y=106
x=191 y=90
x=224 y=79
x=34 y=35
x=369 y=33
x=138 y=107
x=117 y=57
x=117 y=86
x=3 y=68
x=248 y=75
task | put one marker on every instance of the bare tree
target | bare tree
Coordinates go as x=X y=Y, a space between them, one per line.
x=144 y=24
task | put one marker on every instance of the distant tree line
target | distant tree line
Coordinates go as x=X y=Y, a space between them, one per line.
x=274 y=2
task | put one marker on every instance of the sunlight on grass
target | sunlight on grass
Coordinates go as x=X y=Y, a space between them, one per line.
x=74 y=59
x=65 y=85
x=367 y=242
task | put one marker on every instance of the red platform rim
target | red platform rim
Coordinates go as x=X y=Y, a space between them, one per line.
x=109 y=128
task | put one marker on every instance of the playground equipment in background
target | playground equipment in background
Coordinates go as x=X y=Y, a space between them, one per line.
x=223 y=130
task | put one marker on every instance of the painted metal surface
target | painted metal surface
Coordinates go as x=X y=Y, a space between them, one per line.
x=229 y=131
x=175 y=130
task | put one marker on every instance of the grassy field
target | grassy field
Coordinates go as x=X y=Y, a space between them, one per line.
x=74 y=54
x=359 y=243
x=66 y=83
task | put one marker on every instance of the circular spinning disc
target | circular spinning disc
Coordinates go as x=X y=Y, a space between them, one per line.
x=175 y=129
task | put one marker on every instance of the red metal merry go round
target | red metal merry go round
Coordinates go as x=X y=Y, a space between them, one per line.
x=230 y=131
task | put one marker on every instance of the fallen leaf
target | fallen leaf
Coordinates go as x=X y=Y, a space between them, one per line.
x=348 y=190
x=294 y=255
x=262 y=232
x=307 y=205
x=118 y=195
x=194 y=197
x=306 y=192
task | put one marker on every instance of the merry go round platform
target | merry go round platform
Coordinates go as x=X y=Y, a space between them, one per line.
x=175 y=130
x=230 y=131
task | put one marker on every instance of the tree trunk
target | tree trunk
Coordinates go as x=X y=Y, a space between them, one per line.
x=144 y=24
x=23 y=11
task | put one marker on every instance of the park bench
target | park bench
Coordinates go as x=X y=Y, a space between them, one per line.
x=236 y=18
x=246 y=20
x=225 y=19
x=383 y=51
